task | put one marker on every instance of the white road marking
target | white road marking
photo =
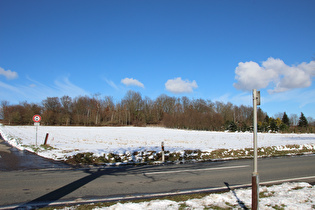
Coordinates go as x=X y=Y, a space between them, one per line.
x=287 y=180
x=194 y=170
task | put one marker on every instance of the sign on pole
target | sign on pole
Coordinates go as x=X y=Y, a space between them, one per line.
x=36 y=118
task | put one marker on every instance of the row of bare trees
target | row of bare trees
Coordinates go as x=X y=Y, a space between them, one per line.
x=133 y=109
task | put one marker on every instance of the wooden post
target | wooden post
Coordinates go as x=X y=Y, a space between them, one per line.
x=46 y=138
x=163 y=154
x=255 y=192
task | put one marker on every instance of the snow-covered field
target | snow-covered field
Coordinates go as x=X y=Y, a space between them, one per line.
x=68 y=141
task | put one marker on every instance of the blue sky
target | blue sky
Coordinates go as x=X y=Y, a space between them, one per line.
x=210 y=49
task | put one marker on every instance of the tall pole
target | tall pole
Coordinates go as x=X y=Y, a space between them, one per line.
x=36 y=132
x=255 y=129
x=255 y=178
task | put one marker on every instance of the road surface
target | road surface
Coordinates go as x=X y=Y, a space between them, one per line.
x=13 y=159
x=51 y=187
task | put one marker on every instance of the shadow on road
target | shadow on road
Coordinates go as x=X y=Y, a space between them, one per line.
x=55 y=195
x=45 y=200
x=92 y=174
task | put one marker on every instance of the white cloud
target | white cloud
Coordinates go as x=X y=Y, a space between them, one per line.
x=111 y=83
x=223 y=98
x=178 y=85
x=250 y=76
x=132 y=82
x=10 y=87
x=65 y=87
x=36 y=91
x=243 y=98
x=273 y=73
x=8 y=74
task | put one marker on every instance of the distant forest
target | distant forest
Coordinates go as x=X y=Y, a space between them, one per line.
x=133 y=109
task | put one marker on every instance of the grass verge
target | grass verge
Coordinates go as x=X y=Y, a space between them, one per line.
x=154 y=157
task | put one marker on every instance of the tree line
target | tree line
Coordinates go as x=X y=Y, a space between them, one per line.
x=133 y=109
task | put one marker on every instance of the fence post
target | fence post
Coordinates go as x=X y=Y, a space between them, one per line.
x=46 y=138
x=163 y=154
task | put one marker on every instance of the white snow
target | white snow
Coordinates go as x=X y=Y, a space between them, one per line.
x=299 y=195
x=68 y=141
x=100 y=140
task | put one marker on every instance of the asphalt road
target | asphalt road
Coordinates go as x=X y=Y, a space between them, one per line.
x=13 y=159
x=47 y=187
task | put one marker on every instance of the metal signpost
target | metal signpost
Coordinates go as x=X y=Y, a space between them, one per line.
x=255 y=178
x=36 y=118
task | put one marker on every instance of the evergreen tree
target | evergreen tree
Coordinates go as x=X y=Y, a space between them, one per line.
x=302 y=121
x=273 y=125
x=232 y=126
x=265 y=124
x=285 y=119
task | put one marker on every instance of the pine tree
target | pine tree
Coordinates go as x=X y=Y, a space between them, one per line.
x=273 y=125
x=285 y=119
x=302 y=121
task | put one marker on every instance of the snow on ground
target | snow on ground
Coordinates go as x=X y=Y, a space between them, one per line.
x=99 y=140
x=285 y=196
x=68 y=141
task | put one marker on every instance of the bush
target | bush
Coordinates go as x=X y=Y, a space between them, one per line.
x=84 y=158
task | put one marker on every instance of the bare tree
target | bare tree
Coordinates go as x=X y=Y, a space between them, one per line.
x=66 y=111
x=134 y=104
x=4 y=114
x=294 y=119
x=52 y=110
x=81 y=110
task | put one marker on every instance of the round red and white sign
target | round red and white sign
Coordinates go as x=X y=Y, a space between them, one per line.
x=37 y=118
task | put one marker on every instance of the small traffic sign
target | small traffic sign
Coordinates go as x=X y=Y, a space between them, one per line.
x=37 y=118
